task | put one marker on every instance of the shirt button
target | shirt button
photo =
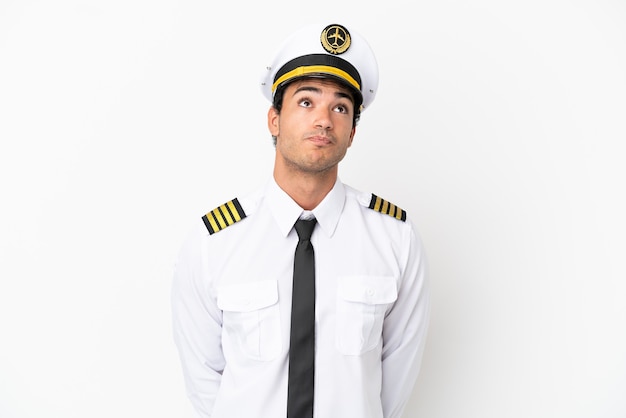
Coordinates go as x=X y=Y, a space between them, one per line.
x=370 y=292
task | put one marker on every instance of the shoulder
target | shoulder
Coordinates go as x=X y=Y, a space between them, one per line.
x=232 y=212
x=376 y=205
x=224 y=216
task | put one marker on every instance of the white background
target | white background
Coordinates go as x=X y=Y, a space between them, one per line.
x=498 y=126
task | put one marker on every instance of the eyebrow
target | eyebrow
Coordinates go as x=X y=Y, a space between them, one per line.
x=339 y=93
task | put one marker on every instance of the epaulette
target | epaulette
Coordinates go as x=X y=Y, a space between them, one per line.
x=223 y=216
x=382 y=206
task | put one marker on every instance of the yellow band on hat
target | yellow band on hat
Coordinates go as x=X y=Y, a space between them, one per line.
x=316 y=69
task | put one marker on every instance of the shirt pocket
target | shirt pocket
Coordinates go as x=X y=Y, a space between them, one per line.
x=362 y=302
x=251 y=318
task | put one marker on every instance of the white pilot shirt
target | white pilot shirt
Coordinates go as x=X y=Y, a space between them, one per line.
x=231 y=306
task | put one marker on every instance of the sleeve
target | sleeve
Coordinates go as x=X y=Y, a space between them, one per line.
x=405 y=329
x=197 y=323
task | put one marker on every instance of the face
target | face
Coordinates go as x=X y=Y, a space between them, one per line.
x=314 y=128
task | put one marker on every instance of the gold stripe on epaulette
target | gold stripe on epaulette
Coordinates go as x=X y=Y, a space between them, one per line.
x=382 y=206
x=223 y=216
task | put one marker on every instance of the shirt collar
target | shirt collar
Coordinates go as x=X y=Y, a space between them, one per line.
x=286 y=211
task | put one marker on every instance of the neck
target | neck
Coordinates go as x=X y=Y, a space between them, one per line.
x=306 y=189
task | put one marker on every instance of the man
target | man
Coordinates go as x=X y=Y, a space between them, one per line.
x=239 y=277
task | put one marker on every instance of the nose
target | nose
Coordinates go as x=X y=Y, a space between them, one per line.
x=323 y=118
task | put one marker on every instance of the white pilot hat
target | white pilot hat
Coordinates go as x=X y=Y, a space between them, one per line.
x=324 y=51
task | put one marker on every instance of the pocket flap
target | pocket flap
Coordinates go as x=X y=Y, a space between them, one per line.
x=372 y=290
x=246 y=297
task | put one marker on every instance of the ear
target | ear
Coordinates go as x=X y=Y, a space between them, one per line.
x=273 y=119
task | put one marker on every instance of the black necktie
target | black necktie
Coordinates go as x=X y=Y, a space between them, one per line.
x=302 y=343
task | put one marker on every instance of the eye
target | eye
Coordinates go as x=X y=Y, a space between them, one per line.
x=305 y=102
x=341 y=109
